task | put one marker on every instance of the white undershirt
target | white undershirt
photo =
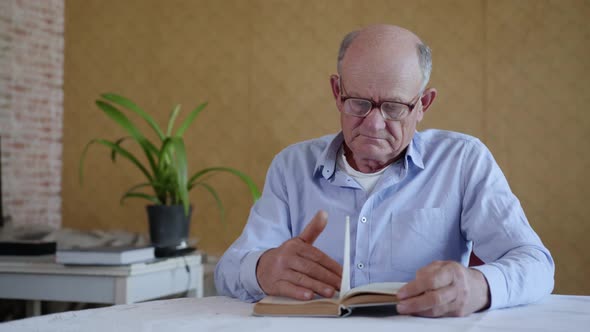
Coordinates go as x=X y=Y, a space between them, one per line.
x=366 y=180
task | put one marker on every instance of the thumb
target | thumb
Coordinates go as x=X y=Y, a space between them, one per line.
x=315 y=227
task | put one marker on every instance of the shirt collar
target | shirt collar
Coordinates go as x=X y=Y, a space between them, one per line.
x=326 y=164
x=414 y=151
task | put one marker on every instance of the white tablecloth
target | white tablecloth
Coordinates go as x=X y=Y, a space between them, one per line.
x=554 y=313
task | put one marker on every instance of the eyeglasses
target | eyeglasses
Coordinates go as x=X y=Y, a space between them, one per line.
x=360 y=107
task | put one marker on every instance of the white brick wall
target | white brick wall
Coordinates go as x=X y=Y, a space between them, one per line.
x=31 y=108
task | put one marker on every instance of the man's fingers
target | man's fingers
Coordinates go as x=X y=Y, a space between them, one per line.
x=430 y=303
x=288 y=289
x=430 y=277
x=315 y=271
x=318 y=256
x=314 y=228
x=317 y=286
x=440 y=311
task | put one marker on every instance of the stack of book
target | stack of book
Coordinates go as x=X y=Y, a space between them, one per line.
x=105 y=255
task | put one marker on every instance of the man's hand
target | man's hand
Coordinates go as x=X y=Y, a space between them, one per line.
x=444 y=289
x=297 y=269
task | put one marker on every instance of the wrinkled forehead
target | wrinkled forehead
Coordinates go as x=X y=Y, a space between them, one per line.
x=382 y=64
x=382 y=77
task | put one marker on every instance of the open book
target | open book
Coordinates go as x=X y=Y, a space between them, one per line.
x=376 y=294
x=341 y=305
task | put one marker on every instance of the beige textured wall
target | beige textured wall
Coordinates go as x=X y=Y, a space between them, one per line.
x=513 y=73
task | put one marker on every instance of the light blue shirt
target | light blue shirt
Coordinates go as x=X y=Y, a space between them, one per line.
x=446 y=197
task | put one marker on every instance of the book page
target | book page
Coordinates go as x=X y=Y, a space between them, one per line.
x=375 y=288
x=290 y=301
x=345 y=282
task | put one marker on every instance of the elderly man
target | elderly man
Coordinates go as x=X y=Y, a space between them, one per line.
x=419 y=202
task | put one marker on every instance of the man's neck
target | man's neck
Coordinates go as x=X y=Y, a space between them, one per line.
x=368 y=165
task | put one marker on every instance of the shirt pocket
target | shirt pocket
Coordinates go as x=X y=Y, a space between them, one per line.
x=419 y=237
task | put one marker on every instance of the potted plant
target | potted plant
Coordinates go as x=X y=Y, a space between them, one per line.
x=165 y=168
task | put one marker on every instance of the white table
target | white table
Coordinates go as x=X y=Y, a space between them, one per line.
x=554 y=313
x=40 y=278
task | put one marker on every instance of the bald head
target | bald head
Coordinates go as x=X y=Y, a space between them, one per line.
x=385 y=48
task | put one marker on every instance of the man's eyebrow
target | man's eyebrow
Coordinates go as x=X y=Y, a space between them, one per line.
x=393 y=99
x=396 y=99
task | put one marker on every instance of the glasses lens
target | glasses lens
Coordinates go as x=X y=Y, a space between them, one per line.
x=394 y=111
x=357 y=107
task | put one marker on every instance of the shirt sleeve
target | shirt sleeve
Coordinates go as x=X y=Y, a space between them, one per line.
x=519 y=269
x=268 y=227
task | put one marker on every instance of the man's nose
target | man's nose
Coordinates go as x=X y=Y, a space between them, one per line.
x=374 y=120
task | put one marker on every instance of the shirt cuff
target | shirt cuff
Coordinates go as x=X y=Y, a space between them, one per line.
x=496 y=283
x=248 y=275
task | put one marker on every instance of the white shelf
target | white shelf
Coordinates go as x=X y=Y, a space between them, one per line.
x=40 y=278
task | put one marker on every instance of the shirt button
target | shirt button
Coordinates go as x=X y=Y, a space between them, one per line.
x=363 y=220
x=360 y=266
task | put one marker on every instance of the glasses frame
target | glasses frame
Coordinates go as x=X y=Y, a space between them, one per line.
x=344 y=98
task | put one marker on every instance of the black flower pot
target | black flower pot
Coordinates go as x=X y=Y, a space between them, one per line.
x=169 y=226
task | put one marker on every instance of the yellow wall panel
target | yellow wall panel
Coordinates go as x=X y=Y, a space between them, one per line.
x=538 y=127
x=510 y=72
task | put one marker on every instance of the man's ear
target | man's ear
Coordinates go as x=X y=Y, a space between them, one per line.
x=335 y=84
x=427 y=98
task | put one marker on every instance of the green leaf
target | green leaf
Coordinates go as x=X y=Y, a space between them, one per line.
x=190 y=118
x=119 y=150
x=141 y=185
x=118 y=142
x=167 y=172
x=172 y=118
x=165 y=155
x=124 y=122
x=150 y=198
x=128 y=104
x=245 y=178
x=174 y=148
